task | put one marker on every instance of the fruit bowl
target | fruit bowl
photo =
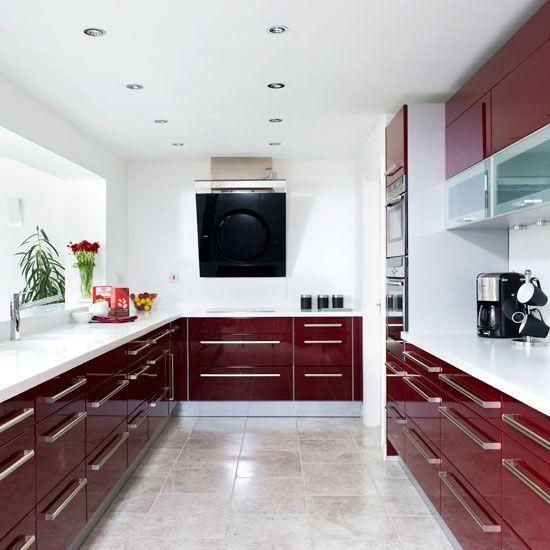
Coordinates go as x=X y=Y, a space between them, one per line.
x=143 y=301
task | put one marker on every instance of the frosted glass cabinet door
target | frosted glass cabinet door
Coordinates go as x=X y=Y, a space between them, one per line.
x=521 y=174
x=466 y=196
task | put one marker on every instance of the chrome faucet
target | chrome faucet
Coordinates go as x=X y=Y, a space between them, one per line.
x=16 y=308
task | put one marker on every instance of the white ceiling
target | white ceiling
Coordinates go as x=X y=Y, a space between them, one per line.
x=205 y=66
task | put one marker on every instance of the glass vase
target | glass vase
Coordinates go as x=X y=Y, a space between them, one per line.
x=86 y=277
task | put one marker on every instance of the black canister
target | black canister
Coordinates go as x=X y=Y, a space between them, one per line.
x=337 y=301
x=322 y=301
x=306 y=302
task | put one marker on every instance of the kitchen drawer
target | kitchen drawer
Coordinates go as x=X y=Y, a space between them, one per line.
x=320 y=350
x=323 y=383
x=61 y=515
x=248 y=350
x=59 y=391
x=101 y=368
x=158 y=407
x=471 y=520
x=107 y=407
x=527 y=426
x=511 y=540
x=16 y=416
x=322 y=325
x=240 y=383
x=105 y=466
x=396 y=388
x=22 y=536
x=138 y=430
x=230 y=325
x=482 y=399
x=60 y=445
x=474 y=446
x=423 y=459
x=419 y=362
x=146 y=378
x=17 y=480
x=422 y=401
x=395 y=421
x=526 y=494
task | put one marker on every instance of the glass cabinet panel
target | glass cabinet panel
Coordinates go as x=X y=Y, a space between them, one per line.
x=521 y=174
x=466 y=196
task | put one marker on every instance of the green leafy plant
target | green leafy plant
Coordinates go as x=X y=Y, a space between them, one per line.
x=41 y=267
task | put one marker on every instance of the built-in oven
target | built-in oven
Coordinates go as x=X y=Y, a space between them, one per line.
x=396 y=304
x=396 y=218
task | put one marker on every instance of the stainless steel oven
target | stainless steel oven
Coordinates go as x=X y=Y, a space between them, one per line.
x=396 y=218
x=396 y=304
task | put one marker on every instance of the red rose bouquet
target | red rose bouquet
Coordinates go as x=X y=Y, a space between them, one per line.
x=85 y=253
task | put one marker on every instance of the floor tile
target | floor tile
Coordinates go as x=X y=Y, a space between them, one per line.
x=157 y=463
x=333 y=479
x=333 y=505
x=113 y=530
x=269 y=464
x=217 y=426
x=138 y=495
x=400 y=497
x=328 y=428
x=271 y=425
x=201 y=477
x=149 y=543
x=341 y=451
x=274 y=441
x=268 y=496
x=421 y=533
x=378 y=469
x=211 y=449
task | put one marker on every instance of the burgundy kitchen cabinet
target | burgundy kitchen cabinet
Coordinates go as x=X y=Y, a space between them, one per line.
x=23 y=535
x=235 y=325
x=323 y=384
x=320 y=349
x=61 y=515
x=511 y=540
x=468 y=138
x=395 y=422
x=327 y=326
x=521 y=101
x=179 y=365
x=16 y=416
x=138 y=430
x=396 y=146
x=357 y=358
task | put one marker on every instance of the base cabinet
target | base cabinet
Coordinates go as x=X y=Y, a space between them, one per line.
x=323 y=383
x=23 y=535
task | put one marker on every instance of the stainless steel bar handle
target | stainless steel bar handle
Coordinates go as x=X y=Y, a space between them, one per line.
x=25 y=413
x=322 y=341
x=17 y=463
x=395 y=325
x=512 y=466
x=485 y=445
x=510 y=419
x=240 y=375
x=137 y=373
x=477 y=400
x=173 y=329
x=80 y=484
x=172 y=395
x=392 y=169
x=395 y=283
x=322 y=325
x=157 y=359
x=156 y=400
x=394 y=371
x=28 y=541
x=120 y=386
x=105 y=459
x=327 y=375
x=429 y=459
x=137 y=351
x=485 y=526
x=136 y=425
x=237 y=342
x=395 y=416
x=74 y=420
x=423 y=394
x=161 y=336
x=420 y=363
x=79 y=383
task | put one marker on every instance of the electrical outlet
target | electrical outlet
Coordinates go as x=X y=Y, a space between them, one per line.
x=174 y=277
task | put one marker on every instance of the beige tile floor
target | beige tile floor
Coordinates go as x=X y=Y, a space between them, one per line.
x=266 y=484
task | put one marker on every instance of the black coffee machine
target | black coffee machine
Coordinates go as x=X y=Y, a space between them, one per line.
x=496 y=296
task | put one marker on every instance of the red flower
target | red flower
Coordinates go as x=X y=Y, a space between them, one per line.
x=85 y=246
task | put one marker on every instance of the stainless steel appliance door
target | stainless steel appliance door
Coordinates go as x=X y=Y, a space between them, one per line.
x=396 y=228
x=396 y=314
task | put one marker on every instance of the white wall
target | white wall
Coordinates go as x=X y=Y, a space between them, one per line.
x=530 y=249
x=321 y=235
x=25 y=115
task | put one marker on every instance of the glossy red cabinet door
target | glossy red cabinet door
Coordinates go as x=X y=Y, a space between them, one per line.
x=468 y=138
x=510 y=539
x=418 y=361
x=158 y=410
x=103 y=367
x=105 y=466
x=138 y=430
x=358 y=358
x=228 y=350
x=396 y=388
x=320 y=350
x=395 y=422
x=61 y=515
x=236 y=325
x=24 y=533
x=396 y=146
x=526 y=494
x=17 y=480
x=179 y=351
x=521 y=101
x=240 y=384
x=16 y=416
x=322 y=325
x=323 y=384
x=422 y=405
x=60 y=445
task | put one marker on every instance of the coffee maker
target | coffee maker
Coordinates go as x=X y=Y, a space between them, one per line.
x=496 y=293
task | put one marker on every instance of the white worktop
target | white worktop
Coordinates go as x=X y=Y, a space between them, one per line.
x=40 y=356
x=521 y=374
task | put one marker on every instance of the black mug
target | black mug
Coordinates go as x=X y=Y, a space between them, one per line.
x=531 y=326
x=531 y=294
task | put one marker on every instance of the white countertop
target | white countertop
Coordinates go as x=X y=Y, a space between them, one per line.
x=43 y=355
x=522 y=374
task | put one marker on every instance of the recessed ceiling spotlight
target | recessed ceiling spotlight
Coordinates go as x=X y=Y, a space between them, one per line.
x=134 y=86
x=177 y=144
x=275 y=120
x=160 y=121
x=276 y=85
x=95 y=32
x=275 y=143
x=277 y=29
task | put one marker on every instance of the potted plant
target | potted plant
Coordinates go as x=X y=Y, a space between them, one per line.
x=85 y=253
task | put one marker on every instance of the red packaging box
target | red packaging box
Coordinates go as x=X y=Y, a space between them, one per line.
x=118 y=299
